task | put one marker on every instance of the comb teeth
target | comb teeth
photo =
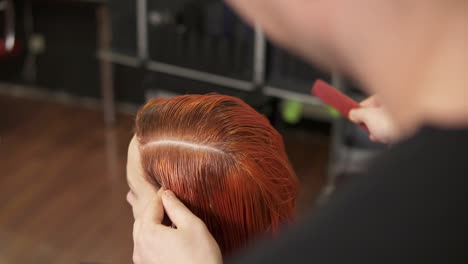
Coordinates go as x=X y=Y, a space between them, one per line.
x=334 y=98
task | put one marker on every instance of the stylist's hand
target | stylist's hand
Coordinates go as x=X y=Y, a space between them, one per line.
x=190 y=242
x=381 y=126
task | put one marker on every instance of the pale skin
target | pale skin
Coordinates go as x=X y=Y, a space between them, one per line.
x=148 y=206
x=140 y=191
x=412 y=53
x=382 y=127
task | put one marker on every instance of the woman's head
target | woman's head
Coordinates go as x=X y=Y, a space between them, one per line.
x=221 y=158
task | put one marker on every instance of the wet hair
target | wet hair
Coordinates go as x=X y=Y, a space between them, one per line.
x=223 y=159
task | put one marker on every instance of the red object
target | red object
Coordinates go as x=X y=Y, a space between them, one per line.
x=3 y=51
x=336 y=99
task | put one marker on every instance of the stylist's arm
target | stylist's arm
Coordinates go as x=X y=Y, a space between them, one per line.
x=189 y=242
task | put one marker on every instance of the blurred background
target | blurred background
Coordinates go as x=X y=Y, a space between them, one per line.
x=73 y=73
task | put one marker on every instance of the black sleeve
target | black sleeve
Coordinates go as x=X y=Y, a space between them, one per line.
x=410 y=208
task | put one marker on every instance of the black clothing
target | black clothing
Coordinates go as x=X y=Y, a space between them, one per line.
x=410 y=207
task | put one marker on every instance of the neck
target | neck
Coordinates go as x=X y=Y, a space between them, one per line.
x=434 y=82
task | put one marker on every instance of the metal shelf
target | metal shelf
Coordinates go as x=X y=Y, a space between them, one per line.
x=199 y=76
x=288 y=95
x=117 y=58
x=142 y=60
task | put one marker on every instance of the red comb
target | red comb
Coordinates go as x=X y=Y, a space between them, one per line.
x=335 y=99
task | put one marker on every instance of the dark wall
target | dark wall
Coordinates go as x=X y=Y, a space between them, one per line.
x=124 y=24
x=132 y=83
x=69 y=61
x=11 y=67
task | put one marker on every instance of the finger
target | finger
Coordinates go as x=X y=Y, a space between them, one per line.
x=360 y=115
x=179 y=214
x=371 y=101
x=154 y=210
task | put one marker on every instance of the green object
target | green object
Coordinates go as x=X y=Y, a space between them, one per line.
x=333 y=112
x=292 y=112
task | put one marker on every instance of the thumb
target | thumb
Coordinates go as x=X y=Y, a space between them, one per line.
x=361 y=115
x=179 y=214
x=380 y=124
x=371 y=101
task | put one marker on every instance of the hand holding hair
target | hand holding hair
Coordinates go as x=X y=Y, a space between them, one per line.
x=189 y=242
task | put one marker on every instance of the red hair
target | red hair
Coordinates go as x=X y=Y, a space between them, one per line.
x=223 y=160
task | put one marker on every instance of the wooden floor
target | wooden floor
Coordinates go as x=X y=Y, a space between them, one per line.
x=62 y=183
